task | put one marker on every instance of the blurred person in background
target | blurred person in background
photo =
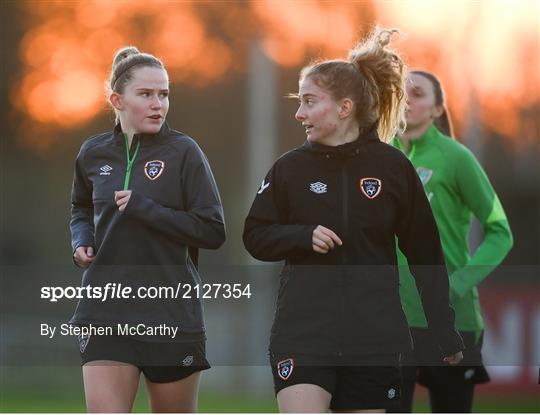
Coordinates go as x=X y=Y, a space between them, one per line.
x=457 y=188
x=332 y=209
x=143 y=201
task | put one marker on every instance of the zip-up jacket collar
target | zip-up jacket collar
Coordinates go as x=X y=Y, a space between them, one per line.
x=432 y=133
x=344 y=150
x=144 y=139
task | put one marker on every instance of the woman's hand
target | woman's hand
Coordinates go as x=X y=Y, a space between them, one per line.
x=121 y=197
x=83 y=256
x=324 y=240
x=454 y=359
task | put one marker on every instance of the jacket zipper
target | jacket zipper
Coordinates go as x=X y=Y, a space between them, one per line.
x=345 y=212
x=345 y=205
x=130 y=161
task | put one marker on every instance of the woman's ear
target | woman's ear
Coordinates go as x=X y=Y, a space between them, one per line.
x=439 y=110
x=346 y=108
x=116 y=101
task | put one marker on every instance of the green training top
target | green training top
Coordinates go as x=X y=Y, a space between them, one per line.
x=457 y=187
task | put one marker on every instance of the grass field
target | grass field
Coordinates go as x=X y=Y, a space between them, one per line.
x=61 y=390
x=212 y=402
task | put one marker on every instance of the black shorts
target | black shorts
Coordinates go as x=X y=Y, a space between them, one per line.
x=431 y=371
x=362 y=386
x=159 y=362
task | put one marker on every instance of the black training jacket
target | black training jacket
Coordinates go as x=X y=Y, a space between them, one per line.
x=174 y=209
x=346 y=302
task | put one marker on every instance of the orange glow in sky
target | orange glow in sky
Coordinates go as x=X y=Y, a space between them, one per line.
x=485 y=53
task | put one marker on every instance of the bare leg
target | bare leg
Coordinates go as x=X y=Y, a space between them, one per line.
x=303 y=397
x=110 y=386
x=178 y=396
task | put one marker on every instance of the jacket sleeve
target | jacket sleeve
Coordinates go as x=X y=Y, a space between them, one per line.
x=267 y=234
x=202 y=224
x=419 y=240
x=478 y=194
x=82 y=207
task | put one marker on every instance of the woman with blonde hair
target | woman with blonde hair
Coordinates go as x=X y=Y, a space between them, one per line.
x=332 y=209
x=143 y=201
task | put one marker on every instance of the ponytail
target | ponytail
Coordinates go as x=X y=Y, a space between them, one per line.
x=383 y=73
x=373 y=77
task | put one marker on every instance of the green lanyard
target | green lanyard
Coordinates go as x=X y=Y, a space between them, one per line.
x=130 y=161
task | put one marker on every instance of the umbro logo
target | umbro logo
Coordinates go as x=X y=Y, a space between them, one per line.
x=105 y=170
x=318 y=187
x=83 y=341
x=188 y=361
x=469 y=373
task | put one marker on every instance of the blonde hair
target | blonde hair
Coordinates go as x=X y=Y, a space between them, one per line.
x=373 y=77
x=125 y=61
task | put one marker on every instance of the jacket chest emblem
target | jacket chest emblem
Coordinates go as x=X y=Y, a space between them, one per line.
x=318 y=187
x=424 y=174
x=371 y=187
x=153 y=169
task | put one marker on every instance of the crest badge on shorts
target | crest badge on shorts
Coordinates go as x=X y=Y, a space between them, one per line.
x=285 y=368
x=371 y=187
x=83 y=341
x=153 y=169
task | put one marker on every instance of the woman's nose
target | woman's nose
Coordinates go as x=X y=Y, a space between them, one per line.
x=300 y=116
x=156 y=102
